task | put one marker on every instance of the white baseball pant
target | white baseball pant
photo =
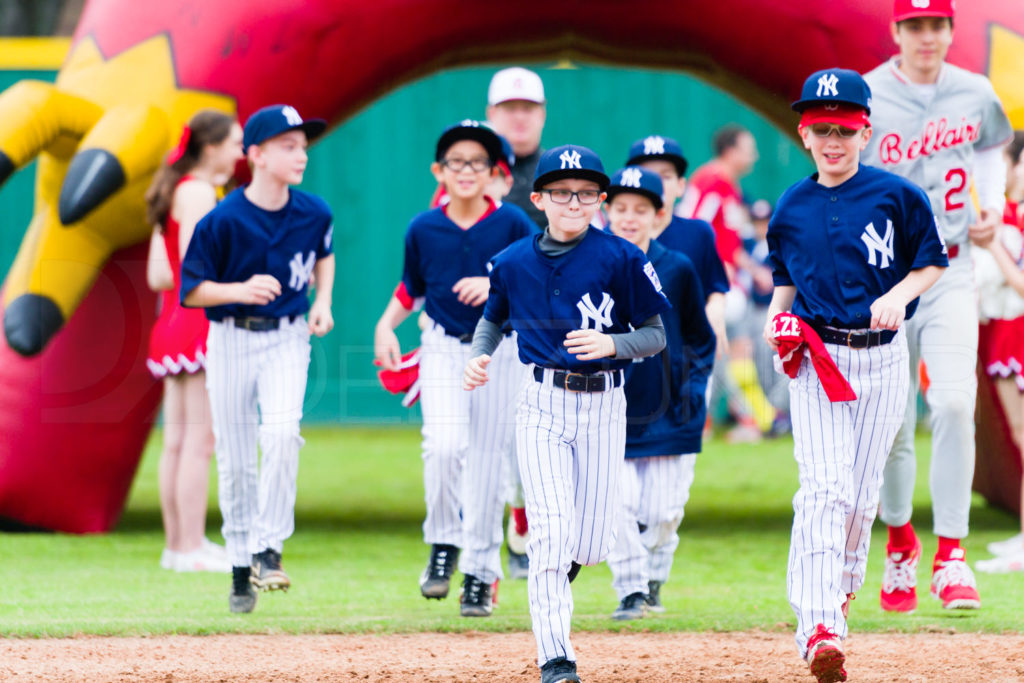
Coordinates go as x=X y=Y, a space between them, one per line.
x=840 y=450
x=571 y=448
x=654 y=493
x=466 y=435
x=944 y=332
x=257 y=382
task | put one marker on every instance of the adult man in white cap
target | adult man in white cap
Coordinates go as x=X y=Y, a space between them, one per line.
x=516 y=109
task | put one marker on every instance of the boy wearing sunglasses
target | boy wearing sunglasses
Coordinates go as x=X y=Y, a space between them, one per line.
x=465 y=437
x=584 y=303
x=851 y=249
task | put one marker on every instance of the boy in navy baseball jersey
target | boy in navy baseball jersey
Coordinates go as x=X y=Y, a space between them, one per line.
x=249 y=264
x=465 y=437
x=665 y=406
x=851 y=249
x=584 y=303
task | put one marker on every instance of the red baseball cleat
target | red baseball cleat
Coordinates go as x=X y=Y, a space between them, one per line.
x=899 y=582
x=953 y=582
x=825 y=656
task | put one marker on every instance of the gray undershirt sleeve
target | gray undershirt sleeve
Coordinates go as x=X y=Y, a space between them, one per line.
x=486 y=338
x=646 y=340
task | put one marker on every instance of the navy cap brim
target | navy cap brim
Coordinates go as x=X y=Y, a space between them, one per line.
x=679 y=162
x=485 y=136
x=560 y=174
x=615 y=190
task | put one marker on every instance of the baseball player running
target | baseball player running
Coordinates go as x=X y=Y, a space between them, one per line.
x=583 y=303
x=665 y=406
x=249 y=265
x=465 y=437
x=851 y=248
x=942 y=128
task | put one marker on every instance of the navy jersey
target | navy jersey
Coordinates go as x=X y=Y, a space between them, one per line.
x=603 y=283
x=843 y=247
x=438 y=253
x=696 y=239
x=666 y=402
x=238 y=239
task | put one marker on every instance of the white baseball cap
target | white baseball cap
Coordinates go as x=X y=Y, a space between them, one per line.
x=515 y=83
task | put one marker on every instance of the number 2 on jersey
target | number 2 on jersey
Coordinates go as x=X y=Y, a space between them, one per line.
x=957 y=177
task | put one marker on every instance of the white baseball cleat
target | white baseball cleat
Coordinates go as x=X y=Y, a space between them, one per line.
x=1011 y=546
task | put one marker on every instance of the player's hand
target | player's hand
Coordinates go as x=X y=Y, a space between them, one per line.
x=321 y=320
x=387 y=352
x=475 y=374
x=769 y=333
x=589 y=344
x=259 y=290
x=983 y=231
x=888 y=311
x=473 y=291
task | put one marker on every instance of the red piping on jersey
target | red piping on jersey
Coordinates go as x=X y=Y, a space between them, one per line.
x=795 y=339
x=491 y=208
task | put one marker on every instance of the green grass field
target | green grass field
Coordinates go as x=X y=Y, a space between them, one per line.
x=357 y=553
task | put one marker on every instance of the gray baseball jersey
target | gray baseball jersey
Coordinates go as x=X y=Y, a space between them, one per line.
x=931 y=139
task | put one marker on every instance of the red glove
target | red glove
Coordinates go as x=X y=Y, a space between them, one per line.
x=406 y=379
x=794 y=339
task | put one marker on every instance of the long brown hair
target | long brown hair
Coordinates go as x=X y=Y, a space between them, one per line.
x=209 y=127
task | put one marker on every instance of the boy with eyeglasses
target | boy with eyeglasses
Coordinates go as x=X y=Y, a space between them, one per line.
x=584 y=303
x=465 y=436
x=943 y=128
x=851 y=249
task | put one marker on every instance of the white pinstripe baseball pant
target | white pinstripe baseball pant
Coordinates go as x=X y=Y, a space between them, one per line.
x=257 y=382
x=571 y=448
x=654 y=493
x=840 y=449
x=466 y=436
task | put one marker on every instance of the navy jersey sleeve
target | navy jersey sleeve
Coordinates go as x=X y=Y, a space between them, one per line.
x=496 y=308
x=780 y=274
x=412 y=274
x=693 y=321
x=202 y=256
x=326 y=246
x=714 y=279
x=924 y=238
x=643 y=287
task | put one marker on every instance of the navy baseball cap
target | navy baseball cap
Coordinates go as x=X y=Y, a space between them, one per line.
x=276 y=119
x=569 y=161
x=468 y=129
x=834 y=87
x=639 y=181
x=658 y=148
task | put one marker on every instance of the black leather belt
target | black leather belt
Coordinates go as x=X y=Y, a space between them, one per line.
x=855 y=339
x=258 y=324
x=577 y=381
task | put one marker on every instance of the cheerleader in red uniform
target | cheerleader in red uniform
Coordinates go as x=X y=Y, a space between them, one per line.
x=1001 y=338
x=184 y=189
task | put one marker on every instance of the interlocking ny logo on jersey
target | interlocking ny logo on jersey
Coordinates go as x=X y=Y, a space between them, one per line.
x=655 y=144
x=570 y=158
x=291 y=115
x=631 y=177
x=301 y=270
x=878 y=246
x=601 y=315
x=827 y=85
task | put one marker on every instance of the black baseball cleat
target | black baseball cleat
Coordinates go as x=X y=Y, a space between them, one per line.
x=267 y=574
x=574 y=569
x=436 y=578
x=243 y=595
x=558 y=671
x=633 y=606
x=654 y=597
x=475 y=600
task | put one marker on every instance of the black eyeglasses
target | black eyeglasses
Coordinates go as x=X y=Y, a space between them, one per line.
x=565 y=196
x=823 y=130
x=478 y=164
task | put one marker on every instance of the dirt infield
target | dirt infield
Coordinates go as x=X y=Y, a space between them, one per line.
x=433 y=657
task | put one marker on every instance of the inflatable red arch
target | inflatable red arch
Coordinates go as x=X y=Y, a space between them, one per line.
x=76 y=402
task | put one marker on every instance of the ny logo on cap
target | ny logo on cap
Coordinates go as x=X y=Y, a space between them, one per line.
x=600 y=316
x=827 y=85
x=920 y=4
x=570 y=158
x=631 y=177
x=470 y=123
x=654 y=144
x=291 y=115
